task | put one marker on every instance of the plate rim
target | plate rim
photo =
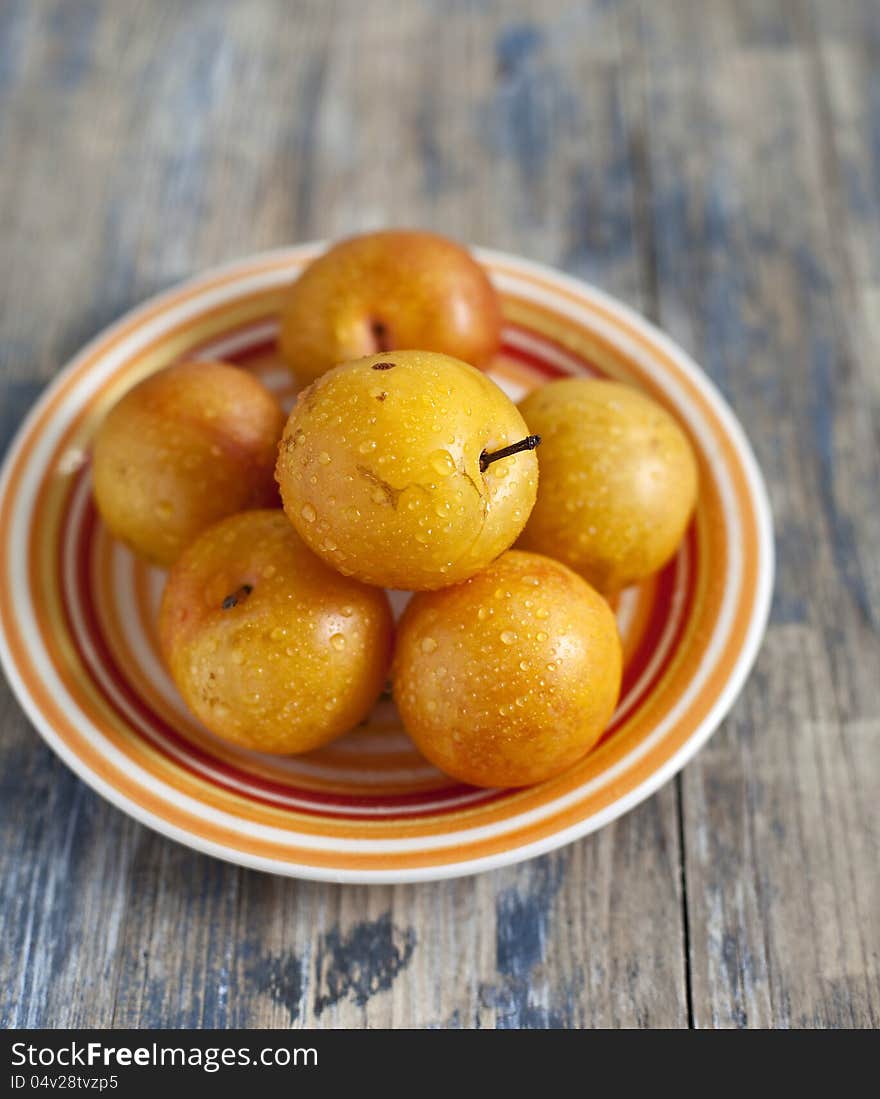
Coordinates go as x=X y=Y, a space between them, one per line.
x=757 y=625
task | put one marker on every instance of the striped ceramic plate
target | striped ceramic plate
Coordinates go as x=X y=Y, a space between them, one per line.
x=77 y=611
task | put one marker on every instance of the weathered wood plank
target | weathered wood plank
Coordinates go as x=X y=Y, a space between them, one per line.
x=781 y=844
x=552 y=943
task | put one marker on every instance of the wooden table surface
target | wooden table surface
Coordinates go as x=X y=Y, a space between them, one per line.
x=716 y=165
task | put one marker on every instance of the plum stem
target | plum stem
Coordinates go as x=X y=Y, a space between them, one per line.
x=528 y=443
x=234 y=598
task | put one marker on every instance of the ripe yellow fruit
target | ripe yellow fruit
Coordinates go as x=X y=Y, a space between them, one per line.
x=618 y=481
x=382 y=470
x=510 y=677
x=386 y=290
x=180 y=450
x=270 y=648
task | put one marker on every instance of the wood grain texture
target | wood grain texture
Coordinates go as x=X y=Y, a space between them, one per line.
x=716 y=165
